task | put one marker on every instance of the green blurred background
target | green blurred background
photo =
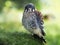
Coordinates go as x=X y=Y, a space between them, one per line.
x=12 y=31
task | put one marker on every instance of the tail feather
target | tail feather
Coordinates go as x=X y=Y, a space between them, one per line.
x=42 y=39
x=39 y=38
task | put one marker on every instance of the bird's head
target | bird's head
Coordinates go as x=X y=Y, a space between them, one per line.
x=29 y=7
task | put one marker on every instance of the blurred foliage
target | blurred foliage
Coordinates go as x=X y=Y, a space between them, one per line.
x=2 y=4
x=22 y=3
x=14 y=34
x=19 y=4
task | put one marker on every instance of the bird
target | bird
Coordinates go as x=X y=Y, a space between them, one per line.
x=32 y=20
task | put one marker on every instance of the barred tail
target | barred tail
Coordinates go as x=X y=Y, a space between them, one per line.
x=39 y=38
x=42 y=39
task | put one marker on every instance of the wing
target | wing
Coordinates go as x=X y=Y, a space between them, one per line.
x=40 y=21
